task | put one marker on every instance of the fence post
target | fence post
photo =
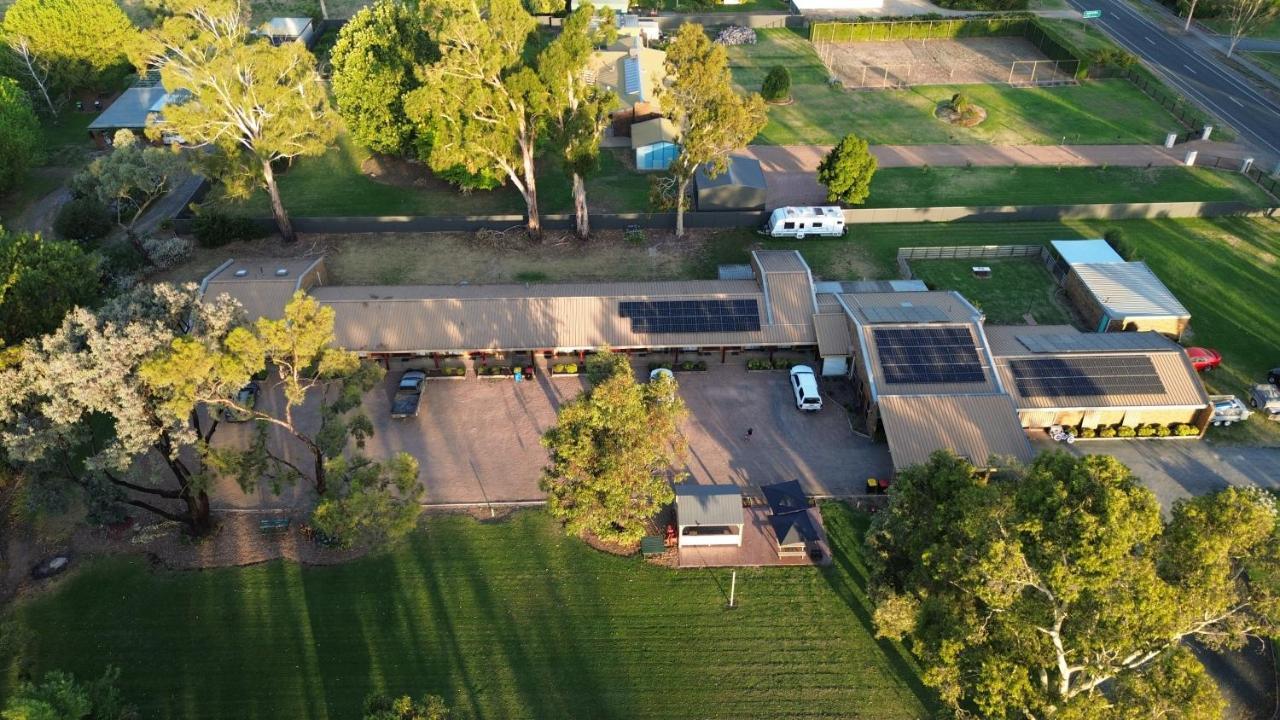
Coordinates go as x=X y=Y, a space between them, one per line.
x=1244 y=166
x=1190 y=159
x=1170 y=140
x=1208 y=129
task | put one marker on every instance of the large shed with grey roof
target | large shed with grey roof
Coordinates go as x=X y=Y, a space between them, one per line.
x=709 y=515
x=1114 y=295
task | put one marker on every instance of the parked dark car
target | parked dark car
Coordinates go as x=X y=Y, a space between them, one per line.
x=1273 y=376
x=408 y=394
x=246 y=398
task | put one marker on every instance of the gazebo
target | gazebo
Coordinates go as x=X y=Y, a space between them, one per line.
x=792 y=529
x=709 y=515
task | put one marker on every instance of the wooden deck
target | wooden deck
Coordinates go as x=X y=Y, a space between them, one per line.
x=759 y=548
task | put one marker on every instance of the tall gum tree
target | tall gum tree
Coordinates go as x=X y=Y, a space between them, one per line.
x=699 y=98
x=482 y=103
x=253 y=103
x=1028 y=594
x=76 y=411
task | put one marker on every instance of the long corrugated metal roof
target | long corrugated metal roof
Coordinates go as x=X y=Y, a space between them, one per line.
x=1035 y=339
x=781 y=261
x=130 y=110
x=1129 y=290
x=833 y=334
x=707 y=505
x=975 y=427
x=262 y=286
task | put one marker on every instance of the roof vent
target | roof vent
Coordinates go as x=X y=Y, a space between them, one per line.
x=241 y=272
x=906 y=304
x=281 y=272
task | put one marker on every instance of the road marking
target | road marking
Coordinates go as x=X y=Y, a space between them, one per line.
x=1234 y=100
x=1144 y=37
x=1193 y=72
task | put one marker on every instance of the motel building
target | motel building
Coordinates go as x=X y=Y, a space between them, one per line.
x=926 y=371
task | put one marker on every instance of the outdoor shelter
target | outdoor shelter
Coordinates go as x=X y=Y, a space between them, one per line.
x=793 y=529
x=709 y=515
x=740 y=187
x=131 y=111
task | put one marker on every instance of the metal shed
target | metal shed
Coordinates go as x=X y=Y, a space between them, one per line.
x=709 y=515
x=740 y=187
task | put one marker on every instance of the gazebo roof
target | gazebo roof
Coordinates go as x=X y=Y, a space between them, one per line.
x=708 y=505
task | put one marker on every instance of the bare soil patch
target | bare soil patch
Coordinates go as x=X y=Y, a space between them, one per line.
x=900 y=63
x=401 y=172
x=973 y=115
x=454 y=257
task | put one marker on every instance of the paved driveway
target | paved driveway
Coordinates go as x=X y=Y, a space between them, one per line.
x=1183 y=468
x=477 y=440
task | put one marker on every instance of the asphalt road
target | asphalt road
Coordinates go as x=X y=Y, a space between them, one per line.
x=1188 y=64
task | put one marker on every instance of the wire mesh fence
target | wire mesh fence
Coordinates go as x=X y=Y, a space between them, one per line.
x=904 y=53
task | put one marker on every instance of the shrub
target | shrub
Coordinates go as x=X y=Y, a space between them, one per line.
x=1125 y=431
x=655 y=365
x=1115 y=238
x=166 y=252
x=1184 y=430
x=994 y=5
x=687 y=365
x=83 y=219
x=1086 y=433
x=215 y=228
x=453 y=371
x=777 y=85
x=1146 y=431
x=565 y=369
x=783 y=364
x=1163 y=431
x=1106 y=432
x=960 y=104
x=758 y=364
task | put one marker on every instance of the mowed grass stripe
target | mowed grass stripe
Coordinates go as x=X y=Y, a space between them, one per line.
x=504 y=619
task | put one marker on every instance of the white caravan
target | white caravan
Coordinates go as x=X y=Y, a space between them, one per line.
x=797 y=222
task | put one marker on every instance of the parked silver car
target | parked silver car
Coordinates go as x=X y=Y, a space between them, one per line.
x=1266 y=400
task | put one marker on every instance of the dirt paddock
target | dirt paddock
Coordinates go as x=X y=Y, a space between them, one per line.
x=900 y=63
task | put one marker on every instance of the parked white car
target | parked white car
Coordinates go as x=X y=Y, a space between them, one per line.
x=805 y=387
x=797 y=222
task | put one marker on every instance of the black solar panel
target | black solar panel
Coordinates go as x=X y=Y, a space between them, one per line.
x=690 y=316
x=1075 y=376
x=928 y=355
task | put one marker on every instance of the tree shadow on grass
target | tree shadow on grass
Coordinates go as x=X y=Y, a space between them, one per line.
x=848 y=578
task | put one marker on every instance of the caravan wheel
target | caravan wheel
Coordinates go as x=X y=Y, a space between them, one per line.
x=800 y=236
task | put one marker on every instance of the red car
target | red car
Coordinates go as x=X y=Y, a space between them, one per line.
x=1203 y=358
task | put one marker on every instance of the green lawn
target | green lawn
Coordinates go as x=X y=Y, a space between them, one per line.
x=1267 y=29
x=65 y=146
x=934 y=187
x=1017 y=287
x=1110 y=111
x=333 y=185
x=504 y=619
x=1269 y=61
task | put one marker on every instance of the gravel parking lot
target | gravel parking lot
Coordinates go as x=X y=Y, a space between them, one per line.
x=477 y=440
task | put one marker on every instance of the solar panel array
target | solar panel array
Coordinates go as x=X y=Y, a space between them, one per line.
x=690 y=316
x=1095 y=342
x=631 y=77
x=928 y=355
x=1080 y=376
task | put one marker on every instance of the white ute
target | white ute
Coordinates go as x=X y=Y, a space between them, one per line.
x=805 y=387
x=797 y=222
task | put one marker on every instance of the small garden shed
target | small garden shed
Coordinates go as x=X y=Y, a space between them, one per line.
x=740 y=187
x=709 y=515
x=655 y=143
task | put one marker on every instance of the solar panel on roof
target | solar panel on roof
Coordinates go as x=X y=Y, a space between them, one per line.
x=681 y=316
x=1094 y=342
x=1078 y=376
x=631 y=77
x=928 y=355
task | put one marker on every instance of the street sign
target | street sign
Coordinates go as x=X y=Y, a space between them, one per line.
x=1091 y=14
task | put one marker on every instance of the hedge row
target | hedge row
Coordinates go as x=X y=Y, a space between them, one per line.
x=938 y=29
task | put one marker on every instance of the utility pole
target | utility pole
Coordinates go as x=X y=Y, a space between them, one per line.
x=733 y=587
